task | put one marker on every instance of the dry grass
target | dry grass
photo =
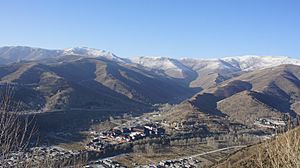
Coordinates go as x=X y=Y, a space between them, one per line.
x=280 y=152
x=283 y=152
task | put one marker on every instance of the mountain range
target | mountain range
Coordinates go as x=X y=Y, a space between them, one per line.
x=242 y=88
x=202 y=73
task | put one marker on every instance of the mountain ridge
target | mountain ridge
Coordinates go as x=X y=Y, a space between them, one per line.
x=193 y=72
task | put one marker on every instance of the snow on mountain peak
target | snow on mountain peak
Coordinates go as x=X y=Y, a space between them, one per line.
x=253 y=62
x=11 y=54
x=154 y=62
x=170 y=66
x=88 y=52
x=93 y=53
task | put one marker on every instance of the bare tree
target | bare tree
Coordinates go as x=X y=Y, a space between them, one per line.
x=17 y=131
x=16 y=128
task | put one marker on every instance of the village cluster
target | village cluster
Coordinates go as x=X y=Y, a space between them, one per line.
x=122 y=135
x=103 y=164
x=179 y=163
x=38 y=155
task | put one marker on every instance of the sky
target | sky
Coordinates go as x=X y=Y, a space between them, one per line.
x=170 y=28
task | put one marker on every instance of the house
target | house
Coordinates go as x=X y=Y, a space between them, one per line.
x=269 y=123
x=138 y=129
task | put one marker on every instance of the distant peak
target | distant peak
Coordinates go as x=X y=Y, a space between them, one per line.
x=254 y=56
x=91 y=52
x=152 y=57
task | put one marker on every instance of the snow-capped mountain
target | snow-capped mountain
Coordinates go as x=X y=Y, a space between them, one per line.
x=253 y=62
x=91 y=52
x=22 y=53
x=234 y=64
x=213 y=71
x=241 y=63
x=208 y=64
x=19 y=53
x=171 y=67
x=208 y=72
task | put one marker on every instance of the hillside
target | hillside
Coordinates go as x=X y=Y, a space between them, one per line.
x=135 y=83
x=237 y=107
x=38 y=88
x=89 y=83
x=270 y=93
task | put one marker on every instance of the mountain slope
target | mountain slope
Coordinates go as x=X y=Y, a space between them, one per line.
x=89 y=83
x=210 y=72
x=137 y=84
x=167 y=67
x=272 y=92
x=244 y=107
x=38 y=88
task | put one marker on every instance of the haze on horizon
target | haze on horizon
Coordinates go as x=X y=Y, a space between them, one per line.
x=172 y=28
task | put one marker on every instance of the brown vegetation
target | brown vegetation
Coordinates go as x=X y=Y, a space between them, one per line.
x=280 y=152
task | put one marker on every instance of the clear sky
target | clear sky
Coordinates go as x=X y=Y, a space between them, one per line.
x=173 y=28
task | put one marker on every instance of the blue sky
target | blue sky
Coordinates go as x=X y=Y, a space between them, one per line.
x=173 y=28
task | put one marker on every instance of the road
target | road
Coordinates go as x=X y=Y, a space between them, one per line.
x=213 y=151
